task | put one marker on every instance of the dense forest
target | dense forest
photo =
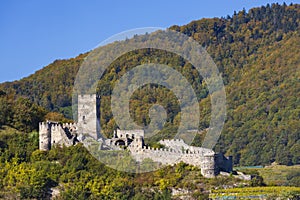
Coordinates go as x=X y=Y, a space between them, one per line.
x=257 y=53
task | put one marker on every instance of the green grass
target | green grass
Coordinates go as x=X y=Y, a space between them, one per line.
x=277 y=175
x=252 y=192
x=274 y=174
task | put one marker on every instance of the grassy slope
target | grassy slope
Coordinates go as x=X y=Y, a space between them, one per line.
x=274 y=174
x=256 y=192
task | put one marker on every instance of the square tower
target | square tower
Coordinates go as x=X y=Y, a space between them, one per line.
x=89 y=115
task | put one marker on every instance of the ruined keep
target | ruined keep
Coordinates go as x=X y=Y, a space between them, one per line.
x=88 y=123
x=89 y=115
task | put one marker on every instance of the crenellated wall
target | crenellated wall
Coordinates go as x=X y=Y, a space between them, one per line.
x=129 y=133
x=53 y=133
x=206 y=162
x=181 y=145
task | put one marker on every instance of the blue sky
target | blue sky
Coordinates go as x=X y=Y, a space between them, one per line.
x=33 y=33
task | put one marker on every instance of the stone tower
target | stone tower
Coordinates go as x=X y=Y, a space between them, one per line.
x=208 y=165
x=44 y=136
x=89 y=115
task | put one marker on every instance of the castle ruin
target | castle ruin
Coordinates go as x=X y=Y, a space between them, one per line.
x=175 y=151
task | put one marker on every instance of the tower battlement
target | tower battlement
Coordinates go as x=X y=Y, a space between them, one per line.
x=44 y=126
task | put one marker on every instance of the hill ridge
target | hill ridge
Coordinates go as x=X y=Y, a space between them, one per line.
x=257 y=54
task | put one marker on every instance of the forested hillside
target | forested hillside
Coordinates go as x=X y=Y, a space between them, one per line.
x=257 y=53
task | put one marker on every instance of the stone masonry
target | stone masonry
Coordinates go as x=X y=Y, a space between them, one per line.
x=175 y=151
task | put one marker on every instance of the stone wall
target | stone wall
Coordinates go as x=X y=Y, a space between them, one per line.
x=179 y=144
x=130 y=133
x=177 y=151
x=53 y=133
x=205 y=162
